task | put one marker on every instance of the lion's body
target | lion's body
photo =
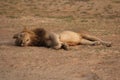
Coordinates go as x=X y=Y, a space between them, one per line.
x=70 y=37
x=41 y=37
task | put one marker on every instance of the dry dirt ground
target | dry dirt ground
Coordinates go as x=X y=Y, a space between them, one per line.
x=98 y=17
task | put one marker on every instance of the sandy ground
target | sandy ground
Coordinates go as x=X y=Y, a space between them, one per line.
x=80 y=62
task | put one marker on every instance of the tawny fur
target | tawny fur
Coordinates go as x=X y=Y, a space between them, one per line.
x=41 y=37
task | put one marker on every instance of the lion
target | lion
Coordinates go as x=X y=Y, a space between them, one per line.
x=42 y=37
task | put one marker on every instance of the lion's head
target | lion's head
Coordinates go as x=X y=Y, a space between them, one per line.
x=23 y=38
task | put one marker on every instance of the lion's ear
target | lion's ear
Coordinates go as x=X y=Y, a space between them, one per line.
x=25 y=29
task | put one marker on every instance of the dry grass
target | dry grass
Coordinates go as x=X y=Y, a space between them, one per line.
x=99 y=17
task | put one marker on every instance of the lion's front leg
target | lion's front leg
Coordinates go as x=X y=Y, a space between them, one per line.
x=65 y=46
x=58 y=46
x=55 y=41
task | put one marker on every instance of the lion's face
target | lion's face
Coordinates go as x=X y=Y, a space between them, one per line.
x=23 y=38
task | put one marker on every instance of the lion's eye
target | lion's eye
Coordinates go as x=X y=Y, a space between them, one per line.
x=27 y=40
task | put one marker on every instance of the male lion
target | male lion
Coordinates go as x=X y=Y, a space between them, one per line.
x=41 y=37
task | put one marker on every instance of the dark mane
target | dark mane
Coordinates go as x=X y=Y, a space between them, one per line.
x=41 y=32
x=38 y=39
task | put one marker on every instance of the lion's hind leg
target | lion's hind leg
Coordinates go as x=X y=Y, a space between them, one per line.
x=96 y=39
x=108 y=44
x=88 y=42
x=90 y=37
